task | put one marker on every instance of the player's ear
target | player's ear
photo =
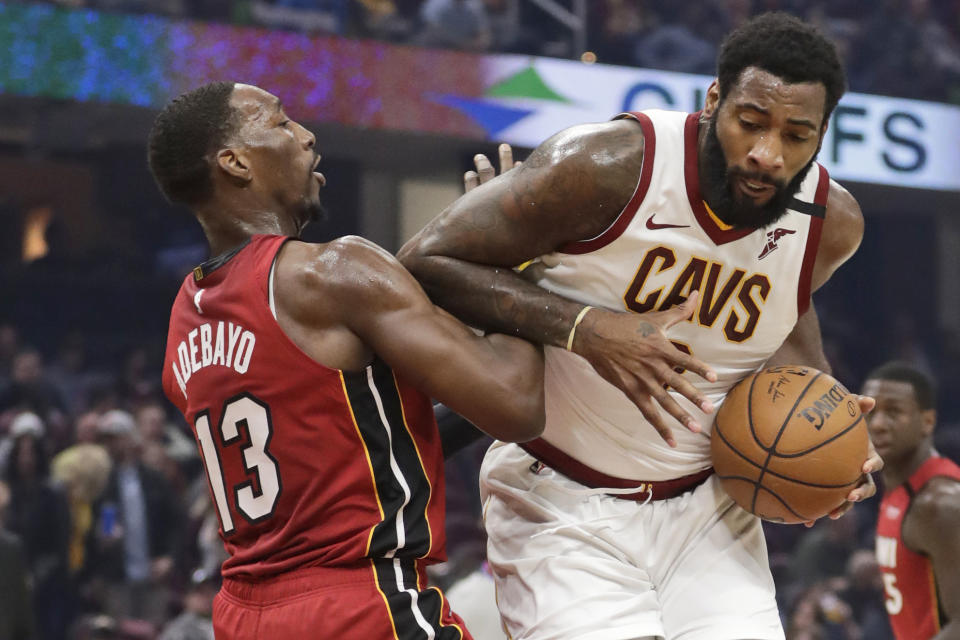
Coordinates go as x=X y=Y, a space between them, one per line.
x=234 y=163
x=929 y=418
x=712 y=101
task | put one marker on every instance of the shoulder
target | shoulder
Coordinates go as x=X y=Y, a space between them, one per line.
x=935 y=508
x=581 y=177
x=348 y=270
x=842 y=232
x=599 y=144
x=939 y=501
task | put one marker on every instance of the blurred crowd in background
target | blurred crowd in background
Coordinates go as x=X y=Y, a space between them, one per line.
x=103 y=501
x=905 y=48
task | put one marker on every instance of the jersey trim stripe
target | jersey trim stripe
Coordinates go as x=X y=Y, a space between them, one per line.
x=418 y=613
x=366 y=453
x=409 y=470
x=399 y=478
x=426 y=476
x=618 y=226
x=804 y=286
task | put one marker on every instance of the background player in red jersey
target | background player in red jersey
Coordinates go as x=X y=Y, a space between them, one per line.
x=918 y=528
x=304 y=370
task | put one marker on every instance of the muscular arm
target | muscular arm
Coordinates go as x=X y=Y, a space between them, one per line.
x=571 y=188
x=932 y=528
x=351 y=293
x=839 y=239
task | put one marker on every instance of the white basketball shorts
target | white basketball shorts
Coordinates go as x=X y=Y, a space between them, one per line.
x=574 y=563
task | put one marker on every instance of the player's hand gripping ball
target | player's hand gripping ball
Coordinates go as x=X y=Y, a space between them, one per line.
x=789 y=444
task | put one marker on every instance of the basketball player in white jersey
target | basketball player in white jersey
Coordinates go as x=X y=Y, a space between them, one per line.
x=611 y=526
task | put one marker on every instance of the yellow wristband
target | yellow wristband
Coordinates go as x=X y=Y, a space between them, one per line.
x=576 y=323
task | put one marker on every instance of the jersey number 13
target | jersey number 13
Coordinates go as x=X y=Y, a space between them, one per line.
x=255 y=498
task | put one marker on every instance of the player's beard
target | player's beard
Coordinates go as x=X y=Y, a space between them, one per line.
x=718 y=184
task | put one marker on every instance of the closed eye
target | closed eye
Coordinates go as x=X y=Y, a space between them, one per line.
x=750 y=126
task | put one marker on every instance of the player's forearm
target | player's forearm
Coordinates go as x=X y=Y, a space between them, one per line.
x=495 y=298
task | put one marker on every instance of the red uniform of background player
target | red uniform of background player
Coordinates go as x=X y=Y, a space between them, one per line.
x=918 y=544
x=304 y=370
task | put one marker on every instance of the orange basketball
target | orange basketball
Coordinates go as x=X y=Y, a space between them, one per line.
x=789 y=443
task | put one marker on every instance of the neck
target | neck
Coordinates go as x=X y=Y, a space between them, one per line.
x=228 y=227
x=897 y=472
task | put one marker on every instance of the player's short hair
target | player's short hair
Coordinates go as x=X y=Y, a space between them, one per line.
x=924 y=387
x=191 y=126
x=788 y=48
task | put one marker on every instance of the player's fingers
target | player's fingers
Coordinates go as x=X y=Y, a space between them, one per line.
x=866 y=404
x=682 y=386
x=484 y=168
x=683 y=360
x=470 y=180
x=506 y=157
x=841 y=511
x=681 y=312
x=864 y=490
x=665 y=400
x=517 y=163
x=652 y=413
x=874 y=462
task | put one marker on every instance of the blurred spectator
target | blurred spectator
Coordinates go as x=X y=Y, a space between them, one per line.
x=153 y=425
x=674 y=45
x=87 y=427
x=39 y=515
x=862 y=589
x=455 y=24
x=195 y=623
x=822 y=553
x=820 y=614
x=30 y=390
x=9 y=346
x=16 y=613
x=82 y=470
x=310 y=16
x=138 y=521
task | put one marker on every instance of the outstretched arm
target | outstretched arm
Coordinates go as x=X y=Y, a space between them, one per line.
x=571 y=188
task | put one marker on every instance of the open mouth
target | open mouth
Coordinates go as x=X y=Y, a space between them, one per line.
x=754 y=188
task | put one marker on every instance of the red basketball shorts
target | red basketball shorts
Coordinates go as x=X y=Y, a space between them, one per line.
x=382 y=600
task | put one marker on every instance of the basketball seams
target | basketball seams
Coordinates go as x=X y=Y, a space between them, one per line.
x=799 y=454
x=783 y=428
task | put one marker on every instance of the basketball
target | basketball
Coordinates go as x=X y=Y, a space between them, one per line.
x=789 y=443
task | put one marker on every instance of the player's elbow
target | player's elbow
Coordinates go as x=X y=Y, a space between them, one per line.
x=412 y=255
x=521 y=402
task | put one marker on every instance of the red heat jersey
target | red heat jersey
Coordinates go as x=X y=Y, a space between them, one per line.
x=308 y=466
x=911 y=588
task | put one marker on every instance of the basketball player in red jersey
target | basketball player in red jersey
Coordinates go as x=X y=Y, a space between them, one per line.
x=611 y=525
x=305 y=370
x=918 y=526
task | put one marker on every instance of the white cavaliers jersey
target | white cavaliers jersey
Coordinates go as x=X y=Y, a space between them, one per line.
x=754 y=284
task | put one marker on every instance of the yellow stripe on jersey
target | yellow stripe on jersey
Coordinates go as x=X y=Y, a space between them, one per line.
x=386 y=603
x=720 y=223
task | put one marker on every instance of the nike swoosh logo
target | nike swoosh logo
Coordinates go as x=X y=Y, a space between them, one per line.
x=653 y=226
